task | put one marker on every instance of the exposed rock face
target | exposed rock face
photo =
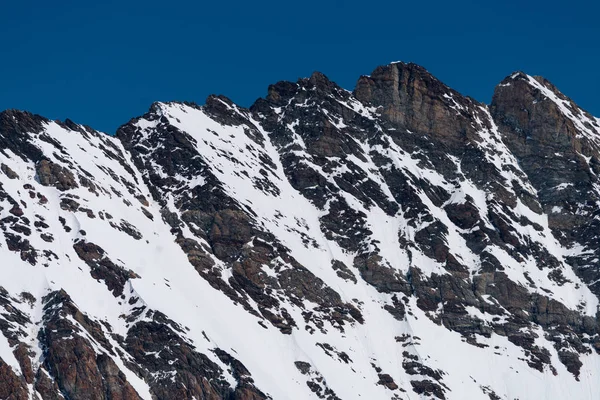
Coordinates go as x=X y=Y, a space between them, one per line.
x=558 y=147
x=197 y=376
x=102 y=268
x=391 y=242
x=412 y=99
x=12 y=386
x=70 y=356
x=51 y=174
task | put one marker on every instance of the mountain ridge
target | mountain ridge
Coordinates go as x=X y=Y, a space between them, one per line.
x=383 y=243
x=316 y=72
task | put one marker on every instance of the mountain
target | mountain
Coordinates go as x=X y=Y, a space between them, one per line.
x=401 y=241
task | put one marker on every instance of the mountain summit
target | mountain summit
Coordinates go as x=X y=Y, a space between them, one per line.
x=401 y=241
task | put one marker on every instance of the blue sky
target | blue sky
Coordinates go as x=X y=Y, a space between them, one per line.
x=102 y=63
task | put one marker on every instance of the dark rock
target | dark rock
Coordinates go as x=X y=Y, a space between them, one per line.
x=387 y=381
x=8 y=172
x=70 y=358
x=102 y=268
x=428 y=388
x=52 y=174
x=194 y=375
x=343 y=271
x=13 y=387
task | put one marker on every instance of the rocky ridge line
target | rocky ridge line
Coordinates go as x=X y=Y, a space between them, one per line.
x=303 y=222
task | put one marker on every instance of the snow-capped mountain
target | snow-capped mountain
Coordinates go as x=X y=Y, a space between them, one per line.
x=401 y=241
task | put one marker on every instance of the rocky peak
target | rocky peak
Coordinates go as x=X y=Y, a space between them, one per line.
x=412 y=99
x=15 y=127
x=281 y=93
x=318 y=78
x=555 y=141
x=224 y=110
x=21 y=120
x=557 y=145
x=314 y=113
x=387 y=85
x=543 y=117
x=319 y=82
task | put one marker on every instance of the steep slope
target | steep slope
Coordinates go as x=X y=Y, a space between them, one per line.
x=399 y=241
x=558 y=145
x=89 y=262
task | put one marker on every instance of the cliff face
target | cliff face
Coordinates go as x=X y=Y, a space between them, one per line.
x=399 y=241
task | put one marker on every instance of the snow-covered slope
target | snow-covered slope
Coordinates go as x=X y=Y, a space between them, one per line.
x=398 y=242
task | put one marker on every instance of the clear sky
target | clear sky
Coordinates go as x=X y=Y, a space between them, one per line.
x=102 y=63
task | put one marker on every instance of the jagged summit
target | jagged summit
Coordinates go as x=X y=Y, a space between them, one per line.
x=399 y=241
x=533 y=80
